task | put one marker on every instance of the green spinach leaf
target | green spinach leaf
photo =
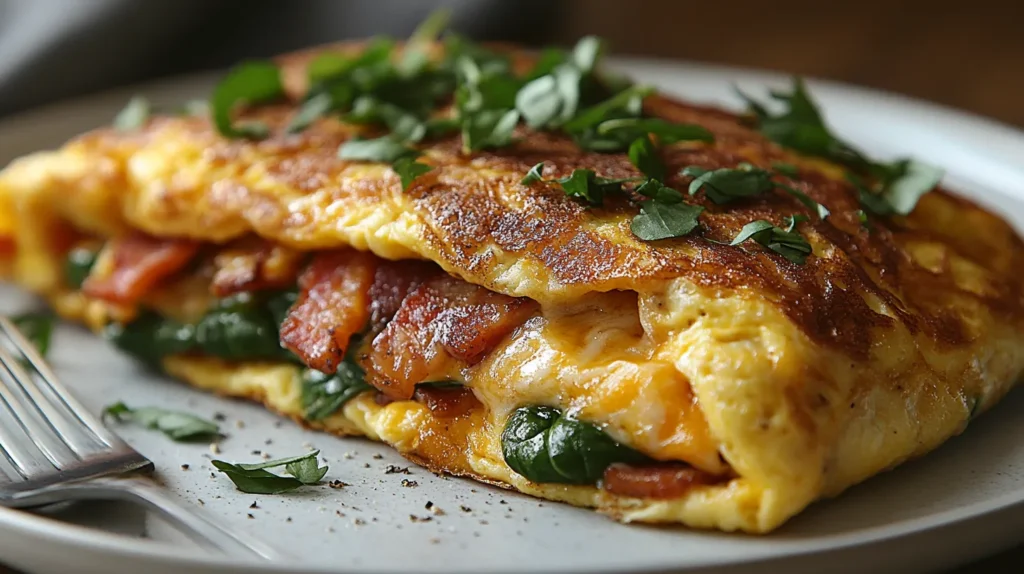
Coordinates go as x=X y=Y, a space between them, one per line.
x=323 y=395
x=546 y=446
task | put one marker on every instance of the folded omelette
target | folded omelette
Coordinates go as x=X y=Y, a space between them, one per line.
x=521 y=268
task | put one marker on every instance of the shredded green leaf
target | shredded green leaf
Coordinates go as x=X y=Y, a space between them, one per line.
x=729 y=184
x=659 y=220
x=250 y=82
x=178 y=426
x=256 y=479
x=134 y=115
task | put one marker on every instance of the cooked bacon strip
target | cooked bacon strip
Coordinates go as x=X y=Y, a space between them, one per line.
x=253 y=267
x=333 y=305
x=8 y=246
x=392 y=284
x=446 y=402
x=139 y=263
x=659 y=480
x=443 y=319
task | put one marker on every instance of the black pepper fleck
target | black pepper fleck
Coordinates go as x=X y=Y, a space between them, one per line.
x=409 y=483
x=184 y=467
x=254 y=505
x=393 y=469
x=465 y=508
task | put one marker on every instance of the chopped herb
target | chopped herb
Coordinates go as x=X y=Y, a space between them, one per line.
x=385 y=149
x=178 y=426
x=548 y=60
x=37 y=328
x=251 y=82
x=256 y=479
x=585 y=184
x=311 y=109
x=416 y=53
x=409 y=169
x=328 y=65
x=785 y=242
x=323 y=395
x=657 y=191
x=489 y=129
x=728 y=184
x=786 y=169
x=587 y=53
x=666 y=132
x=658 y=220
x=629 y=99
x=800 y=126
x=134 y=115
x=907 y=181
x=644 y=156
x=803 y=198
x=533 y=176
x=78 y=265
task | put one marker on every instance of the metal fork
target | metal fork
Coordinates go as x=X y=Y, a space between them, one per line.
x=52 y=450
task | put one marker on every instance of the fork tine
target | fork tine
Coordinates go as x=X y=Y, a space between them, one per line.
x=13 y=438
x=47 y=424
x=49 y=381
x=23 y=399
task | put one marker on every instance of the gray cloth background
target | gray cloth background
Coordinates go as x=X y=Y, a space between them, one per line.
x=54 y=49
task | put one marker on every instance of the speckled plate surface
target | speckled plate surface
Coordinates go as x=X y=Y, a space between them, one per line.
x=961 y=502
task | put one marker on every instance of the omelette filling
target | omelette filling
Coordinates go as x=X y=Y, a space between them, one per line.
x=577 y=392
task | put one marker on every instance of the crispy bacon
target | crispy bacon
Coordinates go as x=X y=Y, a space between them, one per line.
x=255 y=266
x=140 y=263
x=392 y=283
x=333 y=305
x=442 y=319
x=446 y=402
x=8 y=246
x=659 y=480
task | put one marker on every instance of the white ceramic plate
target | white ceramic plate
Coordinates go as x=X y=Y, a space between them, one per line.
x=956 y=504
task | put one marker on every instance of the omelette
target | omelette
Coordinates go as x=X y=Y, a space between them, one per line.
x=522 y=268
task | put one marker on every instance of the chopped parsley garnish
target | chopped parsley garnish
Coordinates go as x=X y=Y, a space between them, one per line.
x=248 y=83
x=658 y=191
x=666 y=132
x=585 y=184
x=729 y=184
x=803 y=198
x=660 y=220
x=311 y=109
x=535 y=174
x=134 y=115
x=786 y=242
x=256 y=479
x=408 y=169
x=644 y=156
x=787 y=169
x=178 y=426
x=581 y=183
x=897 y=185
x=384 y=149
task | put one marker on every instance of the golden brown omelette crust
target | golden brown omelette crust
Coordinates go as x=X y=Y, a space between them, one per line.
x=859 y=279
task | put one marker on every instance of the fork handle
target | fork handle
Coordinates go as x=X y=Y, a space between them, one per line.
x=143 y=490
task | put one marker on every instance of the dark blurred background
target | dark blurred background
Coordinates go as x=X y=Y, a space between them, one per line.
x=969 y=55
